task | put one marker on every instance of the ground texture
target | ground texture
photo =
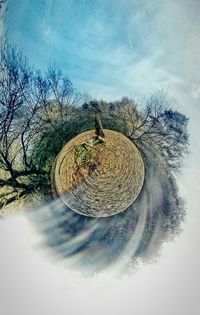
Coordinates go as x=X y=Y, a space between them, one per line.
x=97 y=178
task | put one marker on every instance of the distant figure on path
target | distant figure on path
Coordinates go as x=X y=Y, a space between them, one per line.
x=98 y=129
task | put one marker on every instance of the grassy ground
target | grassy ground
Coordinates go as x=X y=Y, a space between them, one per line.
x=104 y=176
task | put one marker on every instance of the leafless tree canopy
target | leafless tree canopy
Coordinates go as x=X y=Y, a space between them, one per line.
x=30 y=102
x=37 y=110
x=155 y=124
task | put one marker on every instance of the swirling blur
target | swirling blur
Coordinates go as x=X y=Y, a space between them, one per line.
x=135 y=234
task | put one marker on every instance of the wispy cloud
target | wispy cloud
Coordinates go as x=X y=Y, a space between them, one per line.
x=130 y=40
x=115 y=48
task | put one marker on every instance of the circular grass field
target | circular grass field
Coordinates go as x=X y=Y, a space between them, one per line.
x=98 y=178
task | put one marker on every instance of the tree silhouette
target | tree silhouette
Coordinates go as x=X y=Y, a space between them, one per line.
x=156 y=125
x=30 y=102
x=40 y=112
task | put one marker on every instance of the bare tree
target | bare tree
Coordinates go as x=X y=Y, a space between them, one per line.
x=162 y=127
x=19 y=104
x=36 y=108
x=63 y=93
x=28 y=101
x=155 y=125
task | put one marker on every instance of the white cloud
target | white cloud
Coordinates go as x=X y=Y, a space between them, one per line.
x=196 y=92
x=47 y=31
x=31 y=283
x=170 y=60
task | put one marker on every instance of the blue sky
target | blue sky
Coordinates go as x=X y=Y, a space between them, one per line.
x=112 y=48
x=115 y=48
